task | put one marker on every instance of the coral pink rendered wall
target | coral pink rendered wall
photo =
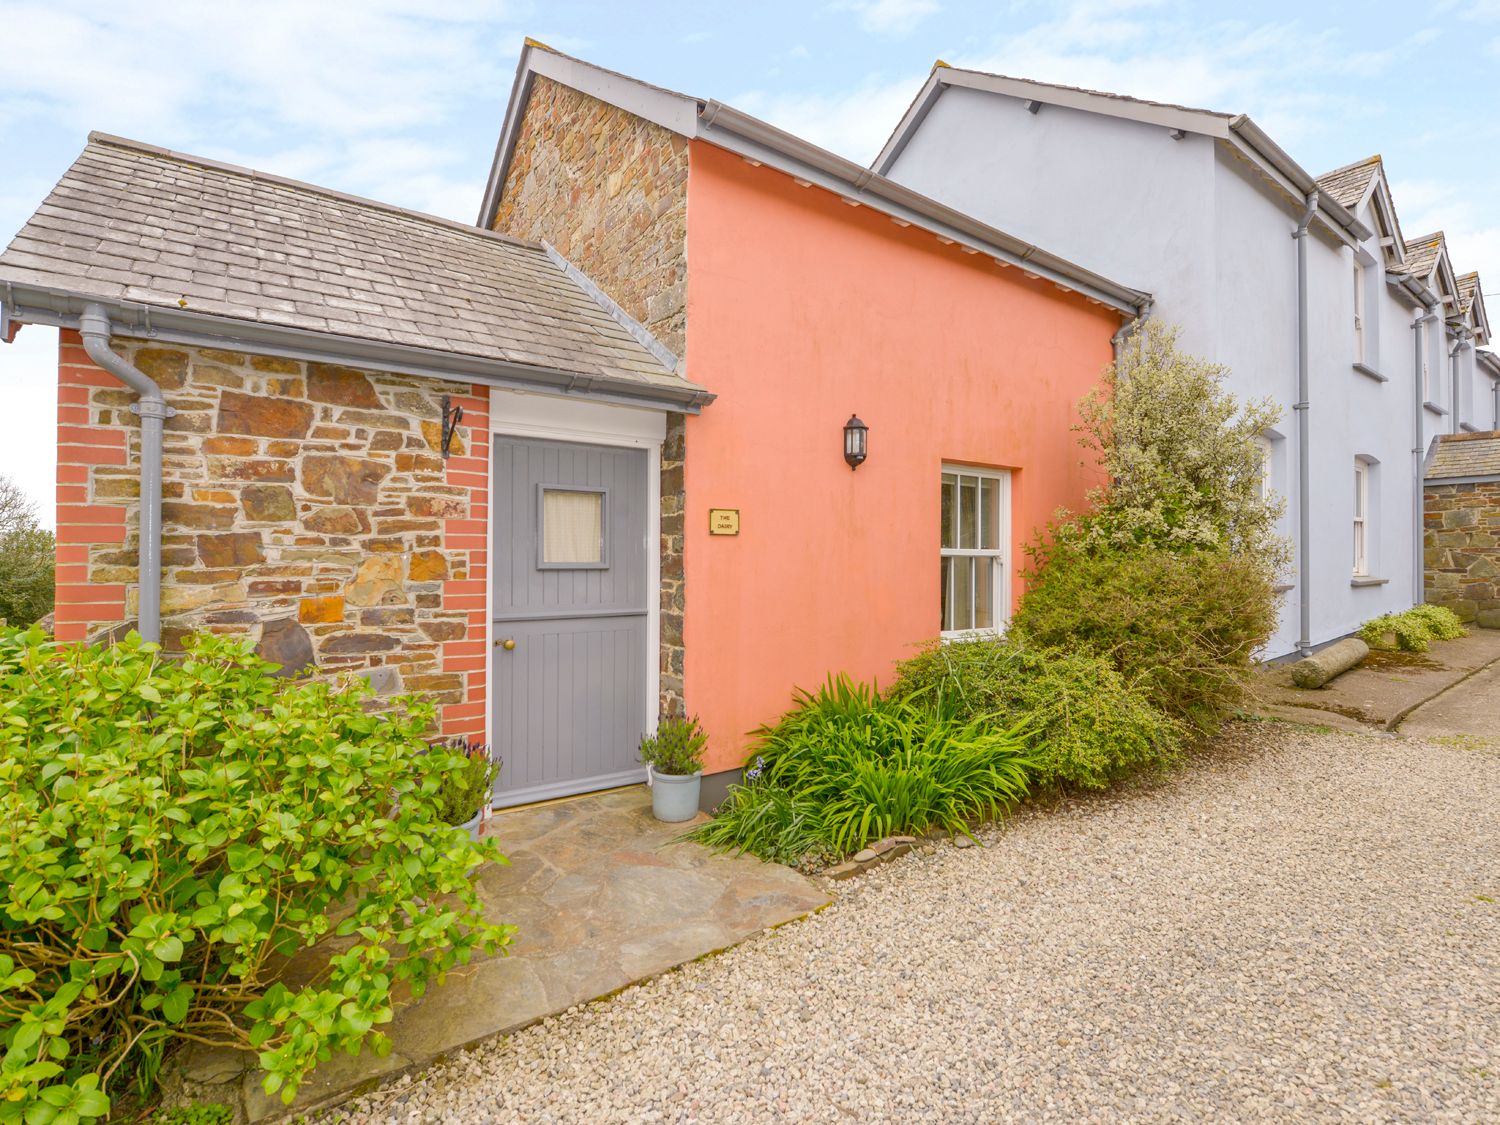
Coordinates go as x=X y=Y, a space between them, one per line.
x=801 y=311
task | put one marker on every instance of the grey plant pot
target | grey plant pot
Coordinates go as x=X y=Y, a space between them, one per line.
x=475 y=824
x=674 y=797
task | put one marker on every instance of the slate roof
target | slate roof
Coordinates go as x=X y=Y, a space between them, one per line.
x=1348 y=184
x=1422 y=253
x=1464 y=455
x=130 y=222
x=1468 y=286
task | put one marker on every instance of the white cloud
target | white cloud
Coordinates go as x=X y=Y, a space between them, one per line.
x=28 y=424
x=1470 y=224
x=854 y=124
x=889 y=17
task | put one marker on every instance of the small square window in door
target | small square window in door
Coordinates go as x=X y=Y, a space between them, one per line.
x=572 y=532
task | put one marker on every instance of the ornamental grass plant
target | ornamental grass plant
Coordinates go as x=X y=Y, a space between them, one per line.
x=848 y=765
x=173 y=830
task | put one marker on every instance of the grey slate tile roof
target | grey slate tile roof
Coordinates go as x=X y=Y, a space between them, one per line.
x=1465 y=455
x=1348 y=184
x=135 y=223
x=1422 y=253
x=1468 y=286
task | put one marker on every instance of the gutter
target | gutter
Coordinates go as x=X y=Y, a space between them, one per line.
x=1304 y=442
x=61 y=309
x=94 y=326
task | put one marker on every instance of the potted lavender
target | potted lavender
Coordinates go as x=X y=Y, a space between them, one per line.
x=464 y=797
x=674 y=767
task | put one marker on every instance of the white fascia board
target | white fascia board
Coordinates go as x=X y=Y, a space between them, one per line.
x=1239 y=131
x=910 y=122
x=1204 y=121
x=675 y=112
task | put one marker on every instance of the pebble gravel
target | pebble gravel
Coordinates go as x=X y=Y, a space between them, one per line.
x=1294 y=927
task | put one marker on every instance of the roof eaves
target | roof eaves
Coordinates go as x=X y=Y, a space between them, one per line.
x=31 y=304
x=739 y=132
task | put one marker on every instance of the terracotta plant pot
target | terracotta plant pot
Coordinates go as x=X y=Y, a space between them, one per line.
x=674 y=797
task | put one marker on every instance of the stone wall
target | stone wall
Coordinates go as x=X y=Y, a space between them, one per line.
x=609 y=190
x=304 y=505
x=1461 y=549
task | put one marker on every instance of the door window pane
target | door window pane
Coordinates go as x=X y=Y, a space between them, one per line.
x=572 y=527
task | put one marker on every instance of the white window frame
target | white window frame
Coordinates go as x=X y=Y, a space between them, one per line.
x=1360 y=528
x=1000 y=555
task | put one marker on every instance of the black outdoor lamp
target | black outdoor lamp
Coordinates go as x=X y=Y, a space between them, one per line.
x=856 y=441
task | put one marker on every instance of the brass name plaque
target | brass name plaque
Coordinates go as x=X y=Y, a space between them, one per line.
x=723 y=521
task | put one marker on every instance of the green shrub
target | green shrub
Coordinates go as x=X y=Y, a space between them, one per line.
x=466 y=789
x=856 y=766
x=199 y=1113
x=769 y=822
x=676 y=749
x=1182 y=628
x=1413 y=630
x=1087 y=725
x=172 y=830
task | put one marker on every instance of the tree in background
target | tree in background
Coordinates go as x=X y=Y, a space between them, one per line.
x=27 y=559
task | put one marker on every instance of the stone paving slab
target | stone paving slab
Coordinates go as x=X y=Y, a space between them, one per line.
x=1467 y=713
x=1381 y=691
x=603 y=896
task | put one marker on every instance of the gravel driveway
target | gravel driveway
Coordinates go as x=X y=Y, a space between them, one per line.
x=1298 y=927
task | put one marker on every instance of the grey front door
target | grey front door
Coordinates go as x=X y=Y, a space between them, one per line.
x=569 y=581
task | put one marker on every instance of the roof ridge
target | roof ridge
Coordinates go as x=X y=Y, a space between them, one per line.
x=1431 y=236
x=110 y=140
x=1090 y=90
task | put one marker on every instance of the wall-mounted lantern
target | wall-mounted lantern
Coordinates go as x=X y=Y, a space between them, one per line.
x=856 y=441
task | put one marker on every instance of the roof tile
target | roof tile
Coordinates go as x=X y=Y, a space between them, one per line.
x=132 y=222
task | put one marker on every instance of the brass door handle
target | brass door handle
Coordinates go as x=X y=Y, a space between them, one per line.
x=506 y=644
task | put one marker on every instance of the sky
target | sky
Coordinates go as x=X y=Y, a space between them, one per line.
x=402 y=100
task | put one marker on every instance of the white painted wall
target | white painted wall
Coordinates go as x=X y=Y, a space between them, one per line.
x=1196 y=225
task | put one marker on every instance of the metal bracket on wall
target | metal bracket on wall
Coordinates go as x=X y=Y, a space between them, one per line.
x=452 y=416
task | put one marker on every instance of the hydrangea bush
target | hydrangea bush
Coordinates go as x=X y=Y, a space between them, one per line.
x=174 y=829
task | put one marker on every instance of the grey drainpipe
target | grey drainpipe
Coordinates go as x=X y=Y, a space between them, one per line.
x=1418 y=452
x=1304 y=441
x=94 y=326
x=1128 y=329
x=1453 y=376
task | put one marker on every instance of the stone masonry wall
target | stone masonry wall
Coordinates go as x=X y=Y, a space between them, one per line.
x=609 y=190
x=304 y=505
x=1461 y=548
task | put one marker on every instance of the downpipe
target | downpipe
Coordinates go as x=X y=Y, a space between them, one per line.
x=94 y=327
x=1304 y=439
x=1454 y=377
x=1418 y=452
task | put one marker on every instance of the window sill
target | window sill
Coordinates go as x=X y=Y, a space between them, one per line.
x=1468 y=427
x=1370 y=373
x=1434 y=408
x=1284 y=587
x=949 y=636
x=1365 y=580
